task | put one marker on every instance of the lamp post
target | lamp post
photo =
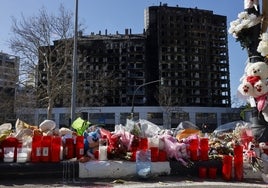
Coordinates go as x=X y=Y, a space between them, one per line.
x=145 y=84
x=73 y=100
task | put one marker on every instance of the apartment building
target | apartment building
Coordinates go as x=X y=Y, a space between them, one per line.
x=112 y=67
x=9 y=77
x=188 y=48
x=184 y=47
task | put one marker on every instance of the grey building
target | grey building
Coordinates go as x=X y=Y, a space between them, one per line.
x=9 y=77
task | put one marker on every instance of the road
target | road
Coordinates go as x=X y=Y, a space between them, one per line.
x=132 y=182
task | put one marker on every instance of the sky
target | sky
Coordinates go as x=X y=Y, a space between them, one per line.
x=118 y=15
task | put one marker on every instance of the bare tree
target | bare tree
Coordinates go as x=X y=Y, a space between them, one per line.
x=43 y=43
x=167 y=103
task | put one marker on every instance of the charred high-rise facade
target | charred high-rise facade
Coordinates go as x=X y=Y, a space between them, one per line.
x=186 y=48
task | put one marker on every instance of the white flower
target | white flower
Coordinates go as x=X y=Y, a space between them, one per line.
x=263 y=48
x=244 y=20
x=245 y=23
x=231 y=30
x=252 y=16
x=239 y=28
x=264 y=37
x=242 y=15
x=234 y=23
x=263 y=45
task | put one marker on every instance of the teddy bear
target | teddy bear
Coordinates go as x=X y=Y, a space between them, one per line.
x=259 y=69
x=254 y=84
x=253 y=73
x=246 y=88
x=260 y=88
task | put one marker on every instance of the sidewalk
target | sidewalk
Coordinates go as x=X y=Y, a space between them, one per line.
x=57 y=175
x=132 y=182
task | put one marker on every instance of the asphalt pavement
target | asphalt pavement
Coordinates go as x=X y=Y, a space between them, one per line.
x=131 y=182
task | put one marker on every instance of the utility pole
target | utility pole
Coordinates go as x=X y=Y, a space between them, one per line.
x=74 y=73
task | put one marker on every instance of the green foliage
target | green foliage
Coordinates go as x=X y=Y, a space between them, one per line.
x=245 y=108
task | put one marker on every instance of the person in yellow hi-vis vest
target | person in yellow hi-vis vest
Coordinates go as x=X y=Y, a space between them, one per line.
x=81 y=124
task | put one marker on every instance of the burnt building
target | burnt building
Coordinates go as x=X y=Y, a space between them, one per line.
x=184 y=47
x=112 y=67
x=188 y=48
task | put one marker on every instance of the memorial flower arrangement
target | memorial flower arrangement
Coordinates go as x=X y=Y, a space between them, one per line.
x=250 y=30
x=263 y=45
x=240 y=28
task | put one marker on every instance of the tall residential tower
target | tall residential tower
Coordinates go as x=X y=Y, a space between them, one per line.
x=185 y=47
x=188 y=48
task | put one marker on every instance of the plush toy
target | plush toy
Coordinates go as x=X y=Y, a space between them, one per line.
x=246 y=88
x=259 y=69
x=254 y=80
x=253 y=73
x=91 y=142
x=260 y=88
x=254 y=84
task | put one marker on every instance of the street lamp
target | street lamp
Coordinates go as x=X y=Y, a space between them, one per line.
x=145 y=84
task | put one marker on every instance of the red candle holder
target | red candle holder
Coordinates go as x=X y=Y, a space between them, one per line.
x=193 y=148
x=143 y=144
x=154 y=154
x=238 y=170
x=227 y=167
x=194 y=154
x=204 y=143
x=133 y=156
x=212 y=172
x=202 y=172
x=79 y=147
x=238 y=151
x=162 y=156
x=193 y=144
x=204 y=154
x=238 y=162
x=69 y=148
x=36 y=149
x=55 y=149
